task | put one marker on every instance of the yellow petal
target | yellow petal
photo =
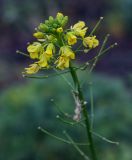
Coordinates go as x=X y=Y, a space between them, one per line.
x=80 y=25
x=34 y=49
x=67 y=52
x=90 y=42
x=66 y=63
x=72 y=39
x=34 y=68
x=49 y=51
x=34 y=55
x=43 y=61
x=62 y=62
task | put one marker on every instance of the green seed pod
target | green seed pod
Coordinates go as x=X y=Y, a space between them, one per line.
x=64 y=21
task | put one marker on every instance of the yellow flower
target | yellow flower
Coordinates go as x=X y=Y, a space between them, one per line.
x=43 y=62
x=64 y=59
x=50 y=50
x=81 y=32
x=72 y=39
x=60 y=30
x=46 y=55
x=62 y=62
x=90 y=42
x=80 y=25
x=34 y=68
x=34 y=49
x=79 y=29
x=39 y=35
x=67 y=52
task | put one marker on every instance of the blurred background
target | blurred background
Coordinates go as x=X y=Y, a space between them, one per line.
x=25 y=103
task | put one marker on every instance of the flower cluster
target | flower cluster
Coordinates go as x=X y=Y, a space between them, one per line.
x=54 y=44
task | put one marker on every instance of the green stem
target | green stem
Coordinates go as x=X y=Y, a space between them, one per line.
x=84 y=109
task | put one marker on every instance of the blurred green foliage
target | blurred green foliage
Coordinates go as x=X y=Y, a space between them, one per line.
x=119 y=17
x=24 y=13
x=15 y=11
x=25 y=107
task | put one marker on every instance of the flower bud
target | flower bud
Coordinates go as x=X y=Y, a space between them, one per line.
x=43 y=27
x=64 y=21
x=59 y=30
x=39 y=35
x=46 y=22
x=51 y=19
x=59 y=17
x=55 y=25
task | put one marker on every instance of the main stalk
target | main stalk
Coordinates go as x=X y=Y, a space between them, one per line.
x=84 y=109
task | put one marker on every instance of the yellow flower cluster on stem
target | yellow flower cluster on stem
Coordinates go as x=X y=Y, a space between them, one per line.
x=55 y=47
x=54 y=43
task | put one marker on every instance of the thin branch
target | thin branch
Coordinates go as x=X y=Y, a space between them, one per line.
x=103 y=52
x=46 y=76
x=60 y=110
x=35 y=77
x=64 y=121
x=50 y=75
x=100 y=136
x=98 y=56
x=75 y=146
x=65 y=79
x=58 y=138
x=96 y=26
x=100 y=51
x=22 y=53
x=72 y=123
x=79 y=47
x=105 y=139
